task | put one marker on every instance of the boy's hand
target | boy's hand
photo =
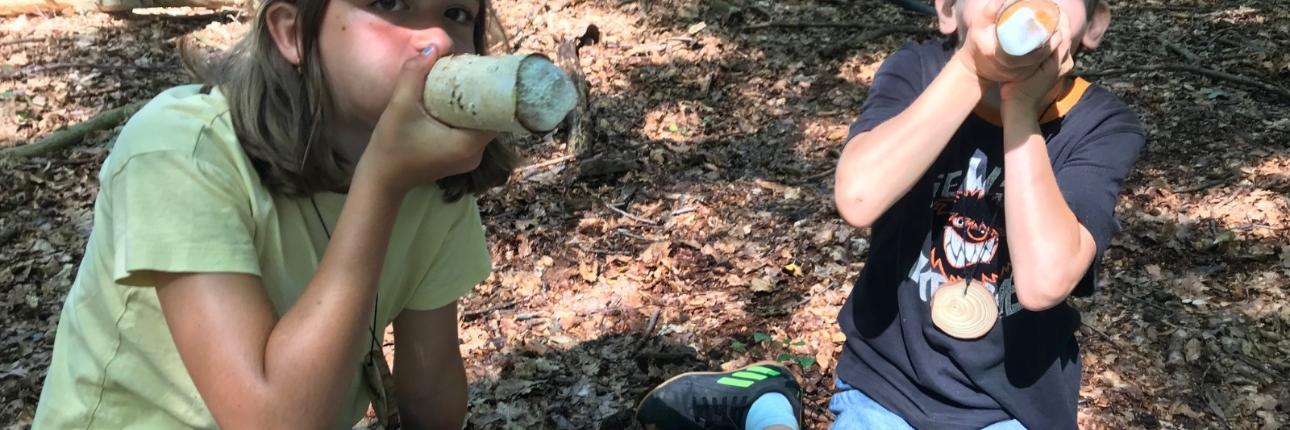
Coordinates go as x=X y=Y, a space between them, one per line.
x=409 y=148
x=1033 y=93
x=981 y=52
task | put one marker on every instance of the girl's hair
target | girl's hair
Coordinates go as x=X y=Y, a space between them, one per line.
x=278 y=110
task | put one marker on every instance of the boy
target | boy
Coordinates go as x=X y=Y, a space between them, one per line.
x=946 y=125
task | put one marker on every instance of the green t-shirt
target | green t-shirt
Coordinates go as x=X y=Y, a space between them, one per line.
x=178 y=194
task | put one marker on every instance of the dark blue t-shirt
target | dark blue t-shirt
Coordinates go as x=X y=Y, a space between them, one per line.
x=951 y=226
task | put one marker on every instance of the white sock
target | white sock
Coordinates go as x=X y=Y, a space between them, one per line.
x=768 y=410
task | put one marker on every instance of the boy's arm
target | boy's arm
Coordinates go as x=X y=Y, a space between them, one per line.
x=1050 y=249
x=1057 y=222
x=429 y=376
x=879 y=166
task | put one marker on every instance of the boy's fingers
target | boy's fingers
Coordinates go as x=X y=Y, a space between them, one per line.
x=989 y=14
x=1062 y=36
x=1067 y=65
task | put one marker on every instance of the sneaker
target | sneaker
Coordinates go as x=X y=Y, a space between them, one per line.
x=716 y=400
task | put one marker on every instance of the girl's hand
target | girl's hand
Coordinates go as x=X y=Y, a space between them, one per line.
x=981 y=52
x=409 y=148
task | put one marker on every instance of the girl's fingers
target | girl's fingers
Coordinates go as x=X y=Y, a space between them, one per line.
x=412 y=77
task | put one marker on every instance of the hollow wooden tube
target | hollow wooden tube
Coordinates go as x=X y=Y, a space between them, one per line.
x=510 y=93
x=1025 y=25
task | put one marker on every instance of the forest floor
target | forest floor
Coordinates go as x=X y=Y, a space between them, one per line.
x=698 y=231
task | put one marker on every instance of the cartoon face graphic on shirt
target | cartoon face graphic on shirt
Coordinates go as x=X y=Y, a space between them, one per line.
x=968 y=244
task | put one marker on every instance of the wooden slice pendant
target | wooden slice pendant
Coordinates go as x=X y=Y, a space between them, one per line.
x=964 y=314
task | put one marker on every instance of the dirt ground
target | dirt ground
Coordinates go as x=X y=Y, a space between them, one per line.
x=697 y=231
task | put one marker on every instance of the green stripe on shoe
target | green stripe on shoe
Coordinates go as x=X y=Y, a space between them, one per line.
x=763 y=370
x=735 y=382
x=749 y=375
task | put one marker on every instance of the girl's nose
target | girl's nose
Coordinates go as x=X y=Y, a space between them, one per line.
x=432 y=36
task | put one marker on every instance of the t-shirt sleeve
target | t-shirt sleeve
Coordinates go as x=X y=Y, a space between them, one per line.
x=172 y=212
x=1091 y=178
x=461 y=263
x=895 y=86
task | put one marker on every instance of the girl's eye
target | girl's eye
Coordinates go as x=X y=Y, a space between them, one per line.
x=459 y=15
x=389 y=5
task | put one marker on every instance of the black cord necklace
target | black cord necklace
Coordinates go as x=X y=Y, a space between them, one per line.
x=376 y=306
x=378 y=378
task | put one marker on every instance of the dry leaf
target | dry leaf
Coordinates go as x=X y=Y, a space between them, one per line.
x=761 y=285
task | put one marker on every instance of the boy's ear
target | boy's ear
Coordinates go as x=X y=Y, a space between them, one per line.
x=280 y=18
x=1098 y=22
x=949 y=23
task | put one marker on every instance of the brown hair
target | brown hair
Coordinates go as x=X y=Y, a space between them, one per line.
x=278 y=110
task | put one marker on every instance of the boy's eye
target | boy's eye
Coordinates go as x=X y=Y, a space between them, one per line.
x=459 y=15
x=389 y=5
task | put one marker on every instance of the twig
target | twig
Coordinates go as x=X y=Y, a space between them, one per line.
x=1214 y=74
x=649 y=329
x=1252 y=363
x=69 y=136
x=1256 y=226
x=1180 y=50
x=818 y=175
x=682 y=211
x=470 y=315
x=1098 y=332
x=1213 y=407
x=624 y=232
x=1198 y=187
x=22 y=41
x=837 y=24
x=629 y=215
x=528 y=316
x=556 y=160
x=58 y=66
x=531 y=170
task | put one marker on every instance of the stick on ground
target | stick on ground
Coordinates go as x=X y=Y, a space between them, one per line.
x=63 y=138
x=1178 y=67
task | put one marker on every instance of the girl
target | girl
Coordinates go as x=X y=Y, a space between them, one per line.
x=254 y=236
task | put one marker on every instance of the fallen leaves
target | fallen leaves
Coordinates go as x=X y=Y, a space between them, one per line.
x=716 y=145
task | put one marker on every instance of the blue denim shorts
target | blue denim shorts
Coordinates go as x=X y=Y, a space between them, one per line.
x=854 y=410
